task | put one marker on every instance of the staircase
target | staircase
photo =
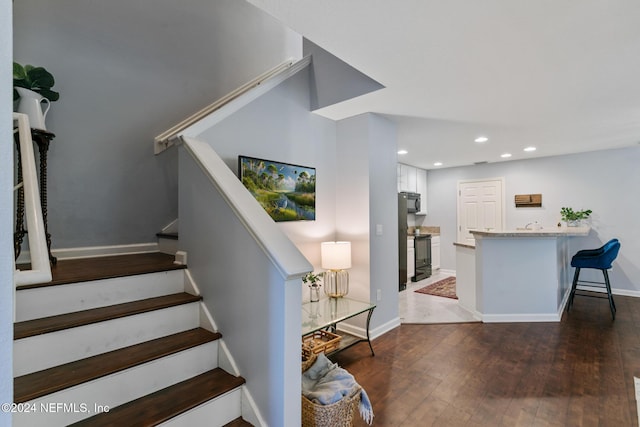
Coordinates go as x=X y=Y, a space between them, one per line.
x=119 y=340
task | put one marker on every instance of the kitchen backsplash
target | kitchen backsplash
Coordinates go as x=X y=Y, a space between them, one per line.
x=424 y=229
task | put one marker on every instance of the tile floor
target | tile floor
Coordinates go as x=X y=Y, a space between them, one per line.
x=422 y=308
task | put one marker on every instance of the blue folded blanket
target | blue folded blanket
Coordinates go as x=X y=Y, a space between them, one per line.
x=325 y=383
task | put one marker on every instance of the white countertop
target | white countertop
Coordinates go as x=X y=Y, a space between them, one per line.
x=543 y=232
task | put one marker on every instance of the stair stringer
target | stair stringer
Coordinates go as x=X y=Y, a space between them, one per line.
x=249 y=409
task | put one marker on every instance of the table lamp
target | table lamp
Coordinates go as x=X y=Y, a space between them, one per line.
x=336 y=257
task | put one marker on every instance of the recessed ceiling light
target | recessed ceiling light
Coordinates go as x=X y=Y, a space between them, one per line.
x=481 y=139
x=505 y=155
x=403 y=152
x=437 y=164
x=529 y=149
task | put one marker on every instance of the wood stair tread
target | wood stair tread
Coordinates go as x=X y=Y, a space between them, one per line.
x=86 y=269
x=167 y=403
x=41 y=383
x=239 y=422
x=59 y=322
x=172 y=236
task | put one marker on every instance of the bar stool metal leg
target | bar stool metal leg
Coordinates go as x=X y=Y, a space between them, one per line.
x=574 y=285
x=612 y=305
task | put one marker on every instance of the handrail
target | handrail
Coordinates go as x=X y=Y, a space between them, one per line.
x=40 y=268
x=171 y=136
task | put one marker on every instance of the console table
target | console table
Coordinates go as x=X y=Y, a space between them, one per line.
x=327 y=313
x=42 y=139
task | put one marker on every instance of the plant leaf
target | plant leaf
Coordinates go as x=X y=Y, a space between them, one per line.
x=21 y=83
x=18 y=72
x=51 y=95
x=40 y=78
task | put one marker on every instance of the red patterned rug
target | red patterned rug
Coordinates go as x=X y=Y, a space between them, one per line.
x=442 y=288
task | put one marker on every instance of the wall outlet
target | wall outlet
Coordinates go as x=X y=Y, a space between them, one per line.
x=378 y=229
x=379 y=295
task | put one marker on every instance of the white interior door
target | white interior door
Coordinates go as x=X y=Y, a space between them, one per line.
x=480 y=207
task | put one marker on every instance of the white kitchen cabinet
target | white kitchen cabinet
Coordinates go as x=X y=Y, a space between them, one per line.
x=435 y=252
x=421 y=188
x=407 y=178
x=412 y=179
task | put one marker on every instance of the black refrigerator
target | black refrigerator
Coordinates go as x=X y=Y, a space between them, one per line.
x=402 y=241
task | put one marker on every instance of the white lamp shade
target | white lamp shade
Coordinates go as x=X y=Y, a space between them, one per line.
x=336 y=255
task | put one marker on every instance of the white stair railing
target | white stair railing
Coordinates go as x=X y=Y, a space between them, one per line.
x=40 y=268
x=230 y=103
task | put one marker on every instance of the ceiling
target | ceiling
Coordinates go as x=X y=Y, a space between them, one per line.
x=562 y=76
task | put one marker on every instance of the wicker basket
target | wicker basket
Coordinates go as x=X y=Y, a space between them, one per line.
x=339 y=414
x=320 y=342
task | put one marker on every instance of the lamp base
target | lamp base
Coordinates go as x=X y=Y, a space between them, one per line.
x=336 y=283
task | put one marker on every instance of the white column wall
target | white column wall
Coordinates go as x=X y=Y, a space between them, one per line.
x=6 y=211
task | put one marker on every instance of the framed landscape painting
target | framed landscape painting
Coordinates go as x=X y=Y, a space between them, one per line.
x=286 y=191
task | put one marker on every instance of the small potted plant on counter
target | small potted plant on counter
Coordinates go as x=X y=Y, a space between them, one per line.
x=574 y=218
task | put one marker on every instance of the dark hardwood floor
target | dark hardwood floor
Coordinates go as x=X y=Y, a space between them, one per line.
x=578 y=372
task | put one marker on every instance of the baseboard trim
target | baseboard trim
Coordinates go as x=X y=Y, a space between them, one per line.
x=373 y=333
x=172 y=227
x=447 y=271
x=521 y=318
x=384 y=328
x=94 y=251
x=625 y=292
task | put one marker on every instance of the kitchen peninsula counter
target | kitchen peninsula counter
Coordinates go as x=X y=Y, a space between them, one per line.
x=543 y=232
x=517 y=275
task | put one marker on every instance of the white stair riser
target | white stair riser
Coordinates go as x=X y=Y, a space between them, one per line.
x=121 y=387
x=53 y=300
x=167 y=246
x=47 y=350
x=216 y=412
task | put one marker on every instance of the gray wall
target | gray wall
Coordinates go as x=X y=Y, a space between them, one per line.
x=603 y=181
x=126 y=71
x=333 y=79
x=6 y=215
x=278 y=126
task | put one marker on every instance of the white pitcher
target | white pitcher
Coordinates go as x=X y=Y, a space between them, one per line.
x=30 y=104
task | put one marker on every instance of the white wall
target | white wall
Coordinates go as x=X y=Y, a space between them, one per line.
x=603 y=181
x=383 y=247
x=366 y=181
x=6 y=213
x=248 y=297
x=126 y=71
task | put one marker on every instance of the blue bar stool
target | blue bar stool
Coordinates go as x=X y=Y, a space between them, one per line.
x=599 y=259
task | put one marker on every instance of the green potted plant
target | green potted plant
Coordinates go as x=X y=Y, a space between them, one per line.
x=313 y=281
x=572 y=217
x=31 y=88
x=36 y=79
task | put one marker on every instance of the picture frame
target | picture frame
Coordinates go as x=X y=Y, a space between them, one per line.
x=286 y=191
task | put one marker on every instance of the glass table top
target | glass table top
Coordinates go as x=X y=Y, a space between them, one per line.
x=319 y=315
